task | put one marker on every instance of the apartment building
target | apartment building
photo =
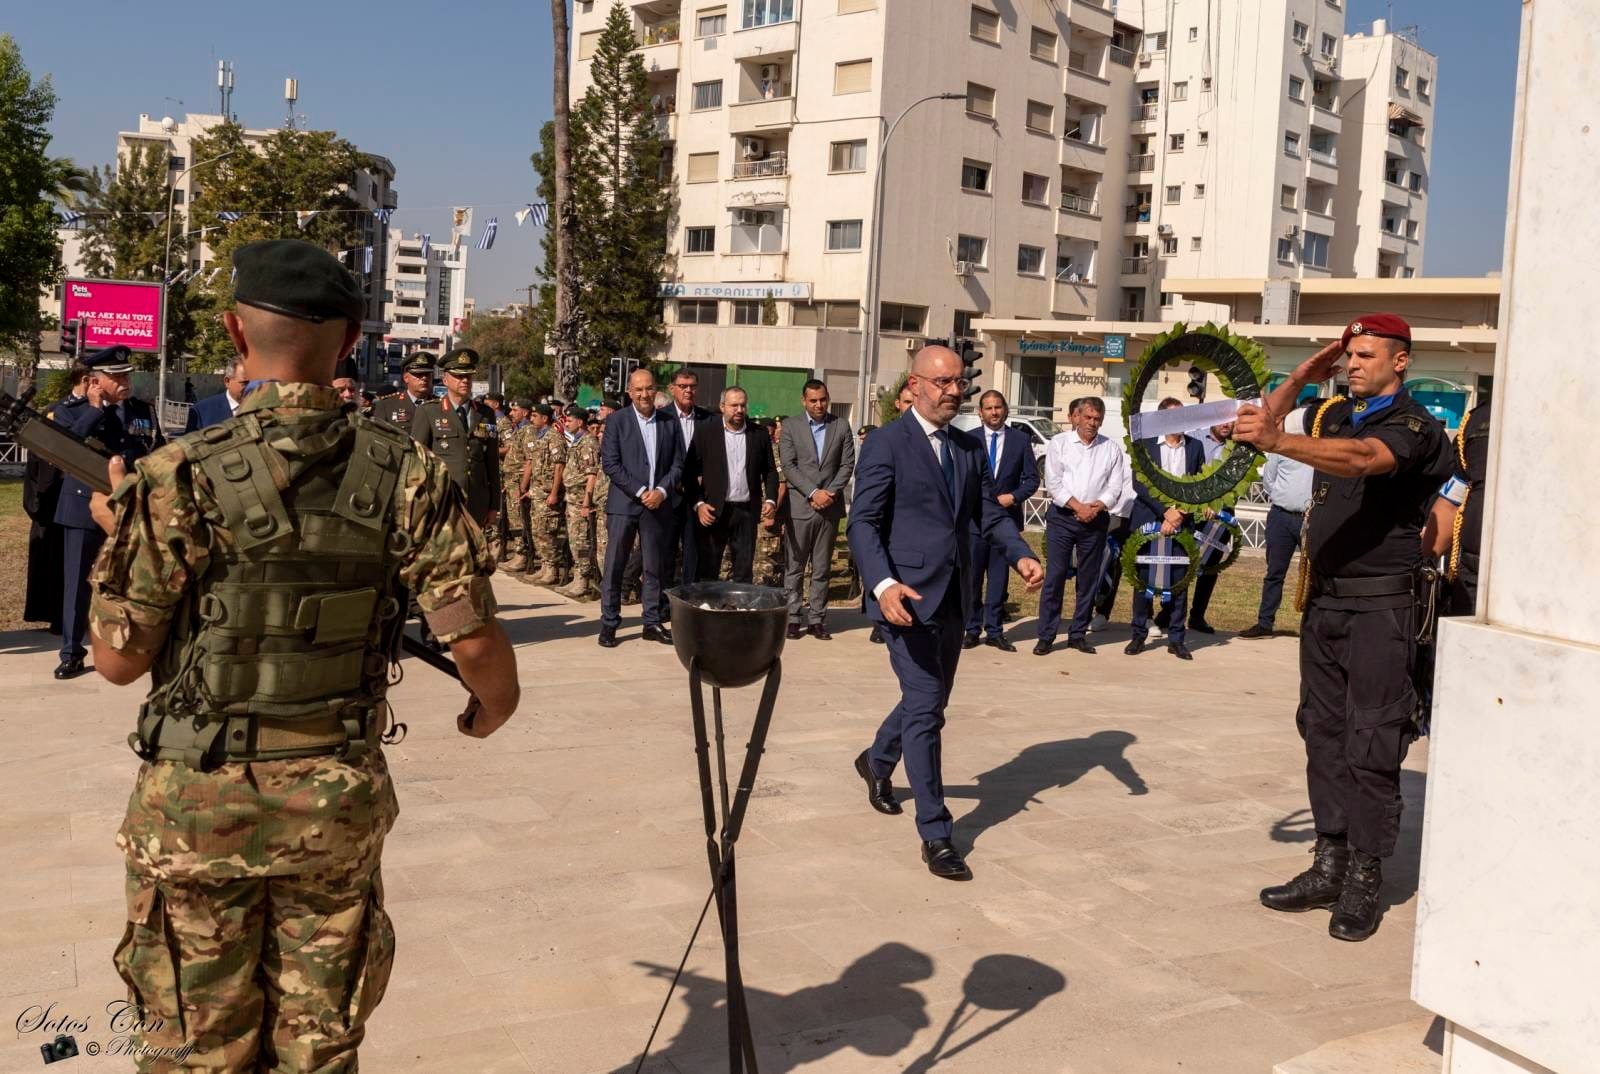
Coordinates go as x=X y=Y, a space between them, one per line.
x=1269 y=143
x=1004 y=201
x=425 y=295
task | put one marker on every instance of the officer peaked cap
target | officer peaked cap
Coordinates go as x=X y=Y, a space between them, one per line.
x=111 y=360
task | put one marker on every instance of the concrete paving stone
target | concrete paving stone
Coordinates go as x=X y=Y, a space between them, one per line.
x=489 y=1051
x=1177 y=932
x=1233 y=1041
x=1196 y=819
x=27 y=888
x=33 y=969
x=65 y=922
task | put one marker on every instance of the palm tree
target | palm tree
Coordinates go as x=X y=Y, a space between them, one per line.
x=71 y=186
x=566 y=321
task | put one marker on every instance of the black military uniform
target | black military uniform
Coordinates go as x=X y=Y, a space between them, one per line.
x=1471 y=473
x=1358 y=646
x=399 y=408
x=465 y=437
x=41 y=490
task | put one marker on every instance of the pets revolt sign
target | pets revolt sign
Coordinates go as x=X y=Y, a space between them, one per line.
x=113 y=312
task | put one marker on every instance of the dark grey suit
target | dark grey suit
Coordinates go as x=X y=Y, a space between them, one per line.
x=812 y=533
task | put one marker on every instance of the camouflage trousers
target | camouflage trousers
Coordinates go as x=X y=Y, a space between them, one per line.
x=769 y=556
x=273 y=973
x=581 y=539
x=513 y=512
x=545 y=526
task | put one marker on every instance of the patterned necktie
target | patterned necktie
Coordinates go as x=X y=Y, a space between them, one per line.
x=947 y=462
x=994 y=452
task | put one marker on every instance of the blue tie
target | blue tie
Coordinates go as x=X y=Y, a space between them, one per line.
x=994 y=451
x=947 y=463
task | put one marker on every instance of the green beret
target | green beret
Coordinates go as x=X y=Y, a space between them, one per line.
x=463 y=362
x=522 y=403
x=576 y=411
x=295 y=279
x=546 y=409
x=420 y=363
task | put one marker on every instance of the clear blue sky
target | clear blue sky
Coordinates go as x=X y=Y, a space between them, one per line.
x=455 y=94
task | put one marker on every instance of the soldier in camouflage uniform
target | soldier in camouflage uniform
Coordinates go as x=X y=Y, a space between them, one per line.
x=514 y=515
x=256 y=935
x=602 y=487
x=769 y=537
x=541 y=482
x=585 y=512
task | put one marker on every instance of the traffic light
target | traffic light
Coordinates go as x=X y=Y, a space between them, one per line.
x=70 y=341
x=1197 y=383
x=970 y=357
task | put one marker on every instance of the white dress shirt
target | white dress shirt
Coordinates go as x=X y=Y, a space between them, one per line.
x=685 y=423
x=648 y=432
x=1085 y=472
x=1172 y=456
x=1213 y=447
x=997 y=438
x=733 y=441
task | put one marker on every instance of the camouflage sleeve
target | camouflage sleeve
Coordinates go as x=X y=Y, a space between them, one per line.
x=158 y=548
x=558 y=446
x=449 y=564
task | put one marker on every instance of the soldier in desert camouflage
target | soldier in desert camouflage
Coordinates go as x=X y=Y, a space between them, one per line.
x=256 y=935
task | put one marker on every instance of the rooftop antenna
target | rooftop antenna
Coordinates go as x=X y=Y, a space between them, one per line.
x=291 y=93
x=225 y=88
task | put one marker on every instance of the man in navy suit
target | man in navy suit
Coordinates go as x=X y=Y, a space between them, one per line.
x=1008 y=454
x=216 y=409
x=921 y=489
x=642 y=453
x=127 y=427
x=1185 y=456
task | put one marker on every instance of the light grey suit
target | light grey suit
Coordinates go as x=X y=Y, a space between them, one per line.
x=812 y=533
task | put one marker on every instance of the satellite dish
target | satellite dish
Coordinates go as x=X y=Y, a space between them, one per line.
x=169 y=124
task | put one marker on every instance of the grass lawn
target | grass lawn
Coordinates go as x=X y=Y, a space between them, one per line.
x=13 y=553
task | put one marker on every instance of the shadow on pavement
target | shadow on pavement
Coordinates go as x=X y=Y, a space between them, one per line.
x=802 y=1027
x=1005 y=791
x=25 y=642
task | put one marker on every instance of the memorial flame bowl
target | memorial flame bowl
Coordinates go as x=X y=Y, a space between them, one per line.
x=733 y=629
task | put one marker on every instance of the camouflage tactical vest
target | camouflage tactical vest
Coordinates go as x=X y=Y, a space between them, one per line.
x=283 y=649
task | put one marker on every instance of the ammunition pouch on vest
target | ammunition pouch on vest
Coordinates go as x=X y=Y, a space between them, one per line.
x=284 y=647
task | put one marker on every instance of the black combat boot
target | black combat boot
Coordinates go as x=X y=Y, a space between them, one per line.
x=1356 y=916
x=1316 y=888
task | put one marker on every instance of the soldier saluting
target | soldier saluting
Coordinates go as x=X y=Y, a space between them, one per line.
x=462 y=432
x=1379 y=457
x=255 y=569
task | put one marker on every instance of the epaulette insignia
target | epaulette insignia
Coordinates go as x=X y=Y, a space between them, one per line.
x=1414 y=424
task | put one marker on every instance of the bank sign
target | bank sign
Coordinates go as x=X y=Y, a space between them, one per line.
x=799 y=291
x=1110 y=347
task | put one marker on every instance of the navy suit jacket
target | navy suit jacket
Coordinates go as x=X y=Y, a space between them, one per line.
x=623 y=458
x=1146 y=507
x=904 y=526
x=212 y=410
x=1019 y=470
x=133 y=440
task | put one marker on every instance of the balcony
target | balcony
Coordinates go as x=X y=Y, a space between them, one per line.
x=1075 y=298
x=1132 y=313
x=1322 y=166
x=1391 y=242
x=1081 y=148
x=667 y=126
x=1083 y=85
x=1135 y=266
x=765 y=42
x=659 y=49
x=1075 y=225
x=1141 y=162
x=1325 y=119
x=1122 y=56
x=1080 y=204
x=1093 y=17
x=773 y=166
x=1137 y=214
x=753 y=117
x=1146 y=113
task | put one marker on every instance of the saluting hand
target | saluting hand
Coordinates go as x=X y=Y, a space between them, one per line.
x=1319 y=367
x=893 y=603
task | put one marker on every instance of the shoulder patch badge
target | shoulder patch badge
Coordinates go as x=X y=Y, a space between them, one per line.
x=1414 y=424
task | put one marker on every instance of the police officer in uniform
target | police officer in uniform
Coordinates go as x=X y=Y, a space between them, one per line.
x=400 y=407
x=1455 y=527
x=256 y=936
x=1378 y=457
x=126 y=427
x=462 y=432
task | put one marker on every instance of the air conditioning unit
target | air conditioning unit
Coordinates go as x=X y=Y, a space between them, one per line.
x=1164 y=229
x=963 y=268
x=1333 y=65
x=770 y=72
x=752 y=148
x=913 y=344
x=1143 y=59
x=1291 y=231
x=1305 y=48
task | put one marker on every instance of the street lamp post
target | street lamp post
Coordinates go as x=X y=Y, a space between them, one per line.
x=867 y=361
x=166 y=274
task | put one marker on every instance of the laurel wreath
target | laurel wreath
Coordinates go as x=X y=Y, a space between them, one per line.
x=1236 y=531
x=1239 y=363
x=1136 y=542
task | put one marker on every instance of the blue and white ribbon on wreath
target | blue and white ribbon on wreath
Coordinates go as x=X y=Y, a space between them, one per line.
x=1215 y=535
x=1160 y=556
x=1111 y=562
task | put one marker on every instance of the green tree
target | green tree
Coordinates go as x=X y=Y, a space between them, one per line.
x=125 y=232
x=509 y=343
x=30 y=253
x=886 y=410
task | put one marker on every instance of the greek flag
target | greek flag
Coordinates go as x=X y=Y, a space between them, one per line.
x=303 y=216
x=383 y=215
x=366 y=259
x=540 y=213
x=486 y=240
x=1215 y=539
x=70 y=219
x=229 y=217
x=427 y=245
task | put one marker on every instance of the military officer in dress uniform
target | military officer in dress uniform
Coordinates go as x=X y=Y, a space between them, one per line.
x=1379 y=458
x=256 y=935
x=400 y=407
x=1455 y=526
x=126 y=427
x=462 y=432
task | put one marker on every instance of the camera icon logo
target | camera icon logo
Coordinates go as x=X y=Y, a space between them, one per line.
x=63 y=1047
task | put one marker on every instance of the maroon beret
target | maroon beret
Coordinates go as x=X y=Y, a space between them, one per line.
x=1388 y=325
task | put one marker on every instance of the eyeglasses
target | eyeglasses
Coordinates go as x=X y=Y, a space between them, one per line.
x=944 y=384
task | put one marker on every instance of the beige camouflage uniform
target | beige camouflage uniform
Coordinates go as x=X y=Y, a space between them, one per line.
x=769 y=540
x=545 y=454
x=583 y=462
x=511 y=480
x=256 y=935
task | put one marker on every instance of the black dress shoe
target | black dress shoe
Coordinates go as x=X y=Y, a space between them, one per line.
x=1179 y=650
x=970 y=642
x=1316 y=888
x=820 y=632
x=1256 y=630
x=1356 y=915
x=999 y=642
x=1042 y=647
x=944 y=861
x=1199 y=623
x=608 y=638
x=69 y=669
x=880 y=792
x=876 y=637
x=1134 y=647
x=657 y=633
x=793 y=632
x=1081 y=644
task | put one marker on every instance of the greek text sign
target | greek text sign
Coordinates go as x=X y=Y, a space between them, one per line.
x=800 y=291
x=1109 y=347
x=113 y=312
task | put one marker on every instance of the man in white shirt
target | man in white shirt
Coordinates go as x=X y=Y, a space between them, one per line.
x=1084 y=474
x=1288 y=485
